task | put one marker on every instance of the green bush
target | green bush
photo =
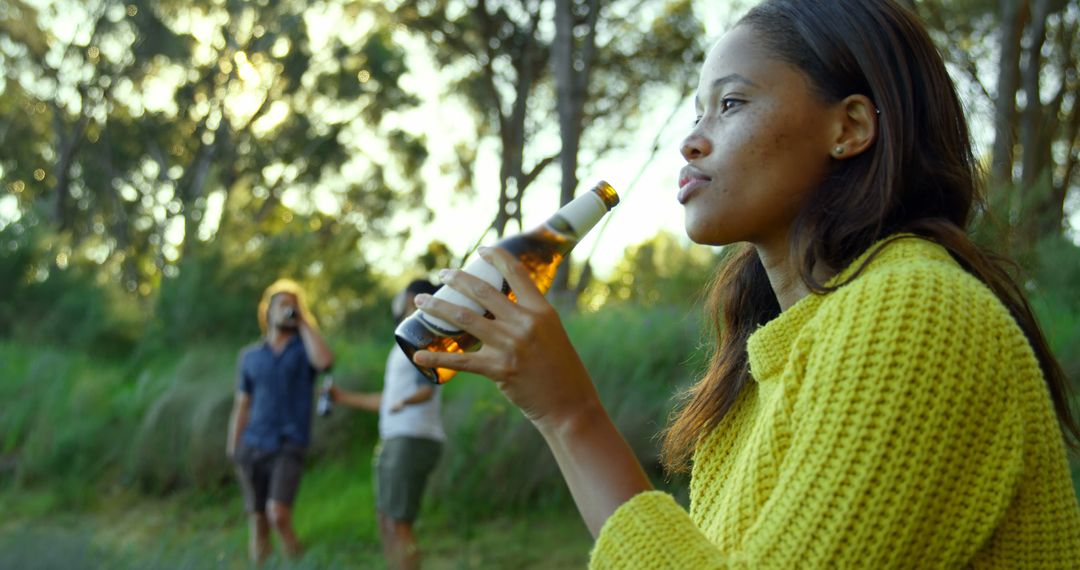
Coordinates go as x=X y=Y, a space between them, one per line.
x=65 y=419
x=46 y=304
x=164 y=430
x=181 y=440
x=1056 y=301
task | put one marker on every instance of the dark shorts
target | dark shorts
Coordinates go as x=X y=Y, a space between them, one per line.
x=402 y=466
x=269 y=475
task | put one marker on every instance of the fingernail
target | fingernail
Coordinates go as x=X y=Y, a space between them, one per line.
x=421 y=299
x=420 y=358
x=483 y=251
x=443 y=274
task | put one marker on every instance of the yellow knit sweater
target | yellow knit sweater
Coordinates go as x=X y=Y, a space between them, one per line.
x=899 y=422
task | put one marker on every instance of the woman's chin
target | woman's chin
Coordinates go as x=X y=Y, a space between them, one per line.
x=702 y=232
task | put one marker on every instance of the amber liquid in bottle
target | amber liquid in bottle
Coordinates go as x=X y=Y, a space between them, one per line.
x=540 y=251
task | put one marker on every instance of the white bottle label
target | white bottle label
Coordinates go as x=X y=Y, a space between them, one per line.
x=477 y=267
x=583 y=212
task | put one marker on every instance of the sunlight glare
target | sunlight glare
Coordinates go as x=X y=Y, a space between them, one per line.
x=278 y=112
x=215 y=204
x=9 y=210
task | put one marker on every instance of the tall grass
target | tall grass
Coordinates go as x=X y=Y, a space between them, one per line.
x=76 y=424
x=63 y=417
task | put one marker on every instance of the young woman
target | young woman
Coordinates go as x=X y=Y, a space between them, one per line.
x=881 y=395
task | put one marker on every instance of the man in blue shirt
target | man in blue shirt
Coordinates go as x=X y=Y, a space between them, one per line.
x=270 y=426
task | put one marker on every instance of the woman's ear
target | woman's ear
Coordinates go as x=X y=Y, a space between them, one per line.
x=857 y=126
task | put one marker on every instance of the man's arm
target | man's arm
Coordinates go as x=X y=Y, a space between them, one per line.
x=318 y=352
x=367 y=401
x=422 y=394
x=237 y=421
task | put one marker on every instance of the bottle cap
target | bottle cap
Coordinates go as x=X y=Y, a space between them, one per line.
x=607 y=194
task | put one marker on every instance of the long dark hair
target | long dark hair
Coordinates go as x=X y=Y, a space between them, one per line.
x=920 y=176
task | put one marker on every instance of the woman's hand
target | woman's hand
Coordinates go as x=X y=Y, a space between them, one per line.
x=528 y=355
x=526 y=350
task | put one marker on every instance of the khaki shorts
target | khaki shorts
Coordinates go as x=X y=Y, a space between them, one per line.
x=402 y=466
x=269 y=475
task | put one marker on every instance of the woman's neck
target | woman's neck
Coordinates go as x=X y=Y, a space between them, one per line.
x=783 y=271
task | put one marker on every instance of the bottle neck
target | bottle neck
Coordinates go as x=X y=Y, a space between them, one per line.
x=578 y=216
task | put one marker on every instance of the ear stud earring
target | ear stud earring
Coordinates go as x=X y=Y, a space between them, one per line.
x=838 y=150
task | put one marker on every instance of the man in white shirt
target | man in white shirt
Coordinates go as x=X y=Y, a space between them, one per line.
x=411 y=439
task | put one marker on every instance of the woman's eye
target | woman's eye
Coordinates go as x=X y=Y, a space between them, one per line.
x=727 y=104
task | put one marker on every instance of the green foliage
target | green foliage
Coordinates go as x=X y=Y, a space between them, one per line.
x=119 y=141
x=218 y=286
x=47 y=305
x=336 y=500
x=180 y=441
x=1056 y=304
x=657 y=271
x=209 y=298
x=66 y=418
x=161 y=424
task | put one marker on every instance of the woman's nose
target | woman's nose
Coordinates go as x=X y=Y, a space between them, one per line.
x=695 y=146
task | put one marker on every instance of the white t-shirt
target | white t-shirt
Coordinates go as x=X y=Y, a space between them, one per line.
x=414 y=420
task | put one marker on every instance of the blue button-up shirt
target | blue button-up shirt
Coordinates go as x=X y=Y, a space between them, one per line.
x=281 y=387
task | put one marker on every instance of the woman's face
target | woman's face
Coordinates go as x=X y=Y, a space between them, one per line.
x=760 y=145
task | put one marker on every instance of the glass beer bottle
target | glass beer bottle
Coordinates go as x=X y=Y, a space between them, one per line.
x=540 y=251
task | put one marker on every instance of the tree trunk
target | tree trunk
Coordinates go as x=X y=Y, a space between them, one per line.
x=1045 y=206
x=1031 y=136
x=67 y=147
x=1060 y=189
x=193 y=184
x=562 y=58
x=513 y=179
x=571 y=86
x=1012 y=25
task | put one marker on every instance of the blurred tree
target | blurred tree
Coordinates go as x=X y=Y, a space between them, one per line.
x=497 y=59
x=143 y=131
x=605 y=85
x=1031 y=47
x=609 y=63
x=660 y=270
x=437 y=256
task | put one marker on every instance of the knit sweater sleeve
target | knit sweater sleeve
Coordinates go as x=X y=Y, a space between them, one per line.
x=903 y=447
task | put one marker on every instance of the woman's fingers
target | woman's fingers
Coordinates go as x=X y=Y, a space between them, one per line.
x=474 y=362
x=480 y=291
x=463 y=318
x=516 y=275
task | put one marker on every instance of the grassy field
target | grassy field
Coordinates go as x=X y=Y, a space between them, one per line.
x=197 y=533
x=110 y=462
x=119 y=462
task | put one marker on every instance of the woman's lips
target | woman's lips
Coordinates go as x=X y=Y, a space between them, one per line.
x=688 y=185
